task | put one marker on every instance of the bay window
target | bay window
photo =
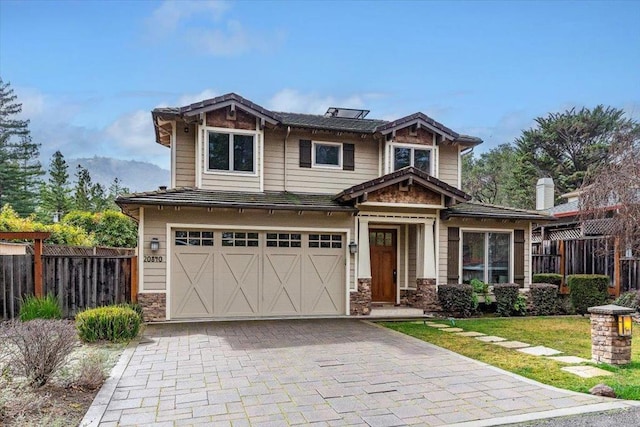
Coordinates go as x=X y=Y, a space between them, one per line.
x=486 y=256
x=231 y=152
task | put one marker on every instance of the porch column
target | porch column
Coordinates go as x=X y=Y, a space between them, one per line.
x=360 y=301
x=426 y=291
x=427 y=251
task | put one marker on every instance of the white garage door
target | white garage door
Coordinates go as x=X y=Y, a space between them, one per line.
x=256 y=273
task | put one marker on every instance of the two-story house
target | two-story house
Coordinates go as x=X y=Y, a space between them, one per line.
x=287 y=214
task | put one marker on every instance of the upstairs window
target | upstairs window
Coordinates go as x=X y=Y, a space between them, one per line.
x=231 y=152
x=326 y=154
x=419 y=158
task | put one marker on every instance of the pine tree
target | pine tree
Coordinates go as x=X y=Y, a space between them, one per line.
x=99 y=200
x=19 y=166
x=116 y=189
x=56 y=194
x=82 y=193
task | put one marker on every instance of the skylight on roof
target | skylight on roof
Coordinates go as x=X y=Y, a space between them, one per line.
x=346 y=113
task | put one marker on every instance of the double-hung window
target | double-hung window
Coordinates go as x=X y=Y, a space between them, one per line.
x=327 y=154
x=232 y=152
x=418 y=157
x=486 y=256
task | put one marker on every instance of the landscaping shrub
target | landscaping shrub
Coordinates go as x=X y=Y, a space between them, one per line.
x=544 y=298
x=564 y=305
x=479 y=286
x=552 y=278
x=457 y=299
x=587 y=290
x=506 y=298
x=90 y=373
x=37 y=348
x=629 y=299
x=40 y=308
x=135 y=307
x=111 y=323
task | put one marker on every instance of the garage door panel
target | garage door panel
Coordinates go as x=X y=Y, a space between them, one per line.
x=282 y=282
x=324 y=283
x=192 y=294
x=237 y=283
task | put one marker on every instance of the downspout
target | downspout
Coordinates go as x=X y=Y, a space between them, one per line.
x=284 y=159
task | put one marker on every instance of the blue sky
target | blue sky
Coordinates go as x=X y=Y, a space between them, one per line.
x=88 y=73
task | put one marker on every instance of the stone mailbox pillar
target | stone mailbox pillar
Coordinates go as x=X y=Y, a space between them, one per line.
x=607 y=346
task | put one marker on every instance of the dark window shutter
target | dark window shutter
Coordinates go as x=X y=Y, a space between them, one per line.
x=305 y=153
x=518 y=257
x=348 y=157
x=453 y=255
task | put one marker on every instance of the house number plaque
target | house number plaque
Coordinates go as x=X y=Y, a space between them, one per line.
x=152 y=258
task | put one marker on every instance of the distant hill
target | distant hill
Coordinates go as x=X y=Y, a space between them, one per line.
x=137 y=176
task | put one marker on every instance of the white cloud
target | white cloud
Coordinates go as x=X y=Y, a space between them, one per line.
x=32 y=101
x=196 y=97
x=291 y=100
x=205 y=27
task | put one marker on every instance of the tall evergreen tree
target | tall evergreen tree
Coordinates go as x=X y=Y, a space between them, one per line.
x=56 y=193
x=19 y=166
x=99 y=200
x=82 y=192
x=116 y=189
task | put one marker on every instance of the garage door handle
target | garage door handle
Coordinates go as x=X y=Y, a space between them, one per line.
x=395 y=276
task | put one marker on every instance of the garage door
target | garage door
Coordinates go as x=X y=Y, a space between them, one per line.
x=233 y=273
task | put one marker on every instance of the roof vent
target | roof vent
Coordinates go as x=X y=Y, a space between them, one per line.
x=346 y=113
x=162 y=188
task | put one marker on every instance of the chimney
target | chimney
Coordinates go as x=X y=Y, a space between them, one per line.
x=544 y=194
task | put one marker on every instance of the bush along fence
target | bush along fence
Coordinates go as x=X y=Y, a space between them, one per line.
x=78 y=281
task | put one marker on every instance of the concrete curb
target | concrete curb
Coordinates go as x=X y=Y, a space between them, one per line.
x=99 y=405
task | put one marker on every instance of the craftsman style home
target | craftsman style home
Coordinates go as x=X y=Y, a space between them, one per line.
x=273 y=214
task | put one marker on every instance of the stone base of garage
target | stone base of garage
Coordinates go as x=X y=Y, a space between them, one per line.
x=360 y=301
x=154 y=306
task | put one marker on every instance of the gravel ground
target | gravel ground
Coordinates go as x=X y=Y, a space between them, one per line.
x=617 y=418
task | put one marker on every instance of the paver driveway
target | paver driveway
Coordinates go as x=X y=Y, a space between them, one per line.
x=330 y=372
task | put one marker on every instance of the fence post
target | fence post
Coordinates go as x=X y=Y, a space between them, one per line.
x=37 y=268
x=134 y=279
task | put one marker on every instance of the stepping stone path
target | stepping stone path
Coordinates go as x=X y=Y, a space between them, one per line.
x=523 y=347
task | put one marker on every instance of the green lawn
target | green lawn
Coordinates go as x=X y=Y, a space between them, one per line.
x=568 y=334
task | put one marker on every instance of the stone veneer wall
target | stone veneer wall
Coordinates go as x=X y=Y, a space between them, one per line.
x=154 y=306
x=606 y=345
x=427 y=295
x=360 y=301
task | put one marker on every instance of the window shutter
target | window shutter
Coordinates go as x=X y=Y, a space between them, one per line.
x=348 y=157
x=518 y=257
x=453 y=255
x=305 y=153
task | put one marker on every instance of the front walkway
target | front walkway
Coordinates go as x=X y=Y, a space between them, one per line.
x=329 y=372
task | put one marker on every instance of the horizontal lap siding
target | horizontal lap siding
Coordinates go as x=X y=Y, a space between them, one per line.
x=155 y=225
x=274 y=160
x=231 y=181
x=448 y=164
x=185 y=157
x=331 y=181
x=413 y=254
x=485 y=224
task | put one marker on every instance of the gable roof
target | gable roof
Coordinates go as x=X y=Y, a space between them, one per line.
x=187 y=196
x=482 y=210
x=190 y=112
x=408 y=173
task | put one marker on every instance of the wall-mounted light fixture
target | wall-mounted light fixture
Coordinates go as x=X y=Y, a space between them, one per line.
x=353 y=247
x=155 y=244
x=186 y=129
x=625 y=325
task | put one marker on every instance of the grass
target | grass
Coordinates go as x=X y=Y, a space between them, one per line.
x=570 y=335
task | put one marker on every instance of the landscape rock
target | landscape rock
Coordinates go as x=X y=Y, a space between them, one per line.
x=602 y=390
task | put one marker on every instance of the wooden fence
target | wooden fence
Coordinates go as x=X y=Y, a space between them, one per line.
x=587 y=256
x=79 y=282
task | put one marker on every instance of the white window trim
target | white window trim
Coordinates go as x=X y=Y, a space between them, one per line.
x=323 y=166
x=486 y=252
x=231 y=132
x=432 y=156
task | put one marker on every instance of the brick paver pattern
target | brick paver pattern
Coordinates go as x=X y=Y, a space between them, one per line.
x=320 y=372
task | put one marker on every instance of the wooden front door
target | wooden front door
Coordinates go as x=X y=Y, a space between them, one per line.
x=382 y=244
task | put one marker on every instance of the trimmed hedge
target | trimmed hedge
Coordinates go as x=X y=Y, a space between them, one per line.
x=506 y=297
x=587 y=290
x=544 y=298
x=457 y=299
x=629 y=299
x=110 y=323
x=552 y=278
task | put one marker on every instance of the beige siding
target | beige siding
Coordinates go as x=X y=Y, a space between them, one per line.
x=482 y=225
x=413 y=255
x=274 y=160
x=155 y=225
x=229 y=181
x=185 y=156
x=448 y=164
x=331 y=181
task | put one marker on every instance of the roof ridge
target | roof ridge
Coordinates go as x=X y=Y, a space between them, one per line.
x=491 y=205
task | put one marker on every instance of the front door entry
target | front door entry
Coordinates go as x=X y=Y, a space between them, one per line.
x=382 y=244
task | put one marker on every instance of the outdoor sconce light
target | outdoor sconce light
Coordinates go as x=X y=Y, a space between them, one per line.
x=353 y=247
x=155 y=244
x=624 y=325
